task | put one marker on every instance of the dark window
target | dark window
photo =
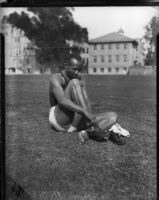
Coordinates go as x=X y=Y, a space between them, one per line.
x=95 y=47
x=117 y=58
x=109 y=46
x=102 y=58
x=109 y=58
x=102 y=69
x=102 y=46
x=125 y=46
x=95 y=59
x=109 y=69
x=117 y=46
x=94 y=70
x=125 y=58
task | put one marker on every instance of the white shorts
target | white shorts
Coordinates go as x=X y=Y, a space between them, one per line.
x=53 y=121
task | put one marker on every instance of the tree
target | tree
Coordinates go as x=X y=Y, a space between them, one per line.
x=50 y=29
x=152 y=29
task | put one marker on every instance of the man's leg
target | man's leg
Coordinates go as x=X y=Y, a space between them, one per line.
x=73 y=92
x=76 y=91
x=79 y=95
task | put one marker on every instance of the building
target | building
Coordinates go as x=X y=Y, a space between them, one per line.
x=20 y=54
x=113 y=53
x=85 y=56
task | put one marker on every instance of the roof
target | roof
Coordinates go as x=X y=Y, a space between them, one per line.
x=112 y=37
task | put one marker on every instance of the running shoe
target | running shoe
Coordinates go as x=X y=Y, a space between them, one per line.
x=117 y=139
x=116 y=128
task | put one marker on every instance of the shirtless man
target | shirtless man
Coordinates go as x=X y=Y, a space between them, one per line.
x=70 y=107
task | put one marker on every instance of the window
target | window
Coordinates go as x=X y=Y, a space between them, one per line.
x=124 y=68
x=109 y=69
x=125 y=46
x=102 y=69
x=117 y=69
x=94 y=70
x=95 y=47
x=102 y=46
x=109 y=58
x=83 y=50
x=109 y=46
x=95 y=59
x=125 y=58
x=117 y=46
x=87 y=50
x=86 y=61
x=102 y=58
x=83 y=61
x=117 y=58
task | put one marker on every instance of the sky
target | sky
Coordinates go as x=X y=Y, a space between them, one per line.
x=100 y=21
x=104 y=20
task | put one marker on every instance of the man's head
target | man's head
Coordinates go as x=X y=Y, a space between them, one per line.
x=73 y=68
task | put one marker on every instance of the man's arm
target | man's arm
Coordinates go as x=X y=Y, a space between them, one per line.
x=65 y=102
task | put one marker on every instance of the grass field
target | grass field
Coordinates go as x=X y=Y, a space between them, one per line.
x=55 y=166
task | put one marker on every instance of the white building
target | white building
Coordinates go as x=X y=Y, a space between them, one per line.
x=113 y=53
x=19 y=53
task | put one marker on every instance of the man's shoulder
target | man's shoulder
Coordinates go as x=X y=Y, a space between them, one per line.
x=55 y=78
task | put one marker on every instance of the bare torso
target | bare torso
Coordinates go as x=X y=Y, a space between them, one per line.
x=60 y=80
x=63 y=115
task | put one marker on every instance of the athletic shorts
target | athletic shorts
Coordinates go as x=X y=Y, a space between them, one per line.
x=53 y=121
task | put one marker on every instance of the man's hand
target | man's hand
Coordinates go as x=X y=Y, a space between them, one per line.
x=89 y=116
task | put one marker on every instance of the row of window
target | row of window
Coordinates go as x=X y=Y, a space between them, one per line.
x=109 y=69
x=85 y=50
x=103 y=46
x=117 y=46
x=118 y=58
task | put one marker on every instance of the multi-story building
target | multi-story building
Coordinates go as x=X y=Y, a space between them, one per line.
x=113 y=53
x=19 y=52
x=85 y=56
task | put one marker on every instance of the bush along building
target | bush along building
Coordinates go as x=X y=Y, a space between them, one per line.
x=113 y=53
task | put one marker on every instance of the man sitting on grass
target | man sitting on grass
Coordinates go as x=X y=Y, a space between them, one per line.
x=70 y=108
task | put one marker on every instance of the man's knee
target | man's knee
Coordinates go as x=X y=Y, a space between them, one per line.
x=75 y=82
x=113 y=117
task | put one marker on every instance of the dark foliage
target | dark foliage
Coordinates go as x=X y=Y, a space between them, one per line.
x=50 y=29
x=152 y=29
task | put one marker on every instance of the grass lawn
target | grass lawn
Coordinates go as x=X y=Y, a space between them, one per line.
x=55 y=166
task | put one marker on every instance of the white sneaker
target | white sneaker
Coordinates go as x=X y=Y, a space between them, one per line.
x=116 y=128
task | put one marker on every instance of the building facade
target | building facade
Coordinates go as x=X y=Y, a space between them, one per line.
x=85 y=56
x=19 y=52
x=113 y=53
